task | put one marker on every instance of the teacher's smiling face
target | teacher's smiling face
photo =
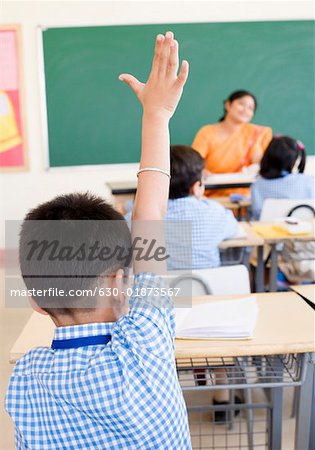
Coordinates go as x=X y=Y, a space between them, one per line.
x=240 y=110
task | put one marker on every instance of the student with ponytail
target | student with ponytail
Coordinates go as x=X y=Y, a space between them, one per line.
x=281 y=174
x=282 y=177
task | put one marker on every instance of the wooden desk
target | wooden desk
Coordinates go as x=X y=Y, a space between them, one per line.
x=122 y=192
x=240 y=208
x=229 y=181
x=306 y=291
x=126 y=190
x=215 y=181
x=285 y=325
x=284 y=237
x=226 y=202
x=252 y=239
x=273 y=242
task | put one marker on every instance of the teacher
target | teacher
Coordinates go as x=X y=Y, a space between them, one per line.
x=233 y=142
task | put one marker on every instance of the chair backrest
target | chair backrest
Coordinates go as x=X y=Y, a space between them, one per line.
x=302 y=212
x=275 y=208
x=190 y=284
x=218 y=281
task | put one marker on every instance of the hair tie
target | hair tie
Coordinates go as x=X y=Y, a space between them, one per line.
x=277 y=135
x=300 y=145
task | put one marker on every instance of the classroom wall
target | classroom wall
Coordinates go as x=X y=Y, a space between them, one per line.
x=21 y=191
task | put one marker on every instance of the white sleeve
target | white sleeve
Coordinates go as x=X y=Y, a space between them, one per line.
x=230 y=225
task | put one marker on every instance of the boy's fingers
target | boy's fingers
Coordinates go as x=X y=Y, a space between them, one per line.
x=165 y=52
x=173 y=59
x=132 y=82
x=157 y=52
x=183 y=74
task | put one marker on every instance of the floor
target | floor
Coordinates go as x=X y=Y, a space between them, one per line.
x=13 y=320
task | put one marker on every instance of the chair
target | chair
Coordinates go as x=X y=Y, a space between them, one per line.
x=212 y=281
x=275 y=208
x=304 y=212
x=303 y=209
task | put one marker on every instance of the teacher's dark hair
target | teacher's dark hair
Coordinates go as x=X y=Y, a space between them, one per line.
x=236 y=95
x=186 y=168
x=280 y=157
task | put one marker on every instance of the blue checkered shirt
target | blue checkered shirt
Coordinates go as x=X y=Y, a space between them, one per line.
x=210 y=223
x=123 y=395
x=194 y=230
x=292 y=186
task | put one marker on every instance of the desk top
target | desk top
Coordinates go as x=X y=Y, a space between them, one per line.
x=282 y=237
x=215 y=181
x=305 y=290
x=226 y=202
x=285 y=325
x=252 y=239
x=123 y=187
x=229 y=180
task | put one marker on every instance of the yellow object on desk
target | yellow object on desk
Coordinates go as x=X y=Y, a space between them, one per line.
x=274 y=231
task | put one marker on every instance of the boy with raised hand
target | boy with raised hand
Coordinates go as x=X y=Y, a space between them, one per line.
x=106 y=383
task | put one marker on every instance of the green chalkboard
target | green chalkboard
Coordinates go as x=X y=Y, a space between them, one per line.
x=94 y=119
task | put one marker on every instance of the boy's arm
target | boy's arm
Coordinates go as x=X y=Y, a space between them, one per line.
x=227 y=225
x=149 y=327
x=230 y=225
x=159 y=97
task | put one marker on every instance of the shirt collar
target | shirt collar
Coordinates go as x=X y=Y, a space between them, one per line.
x=181 y=200
x=84 y=330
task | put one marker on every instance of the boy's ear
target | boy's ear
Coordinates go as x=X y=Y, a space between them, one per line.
x=118 y=299
x=197 y=189
x=37 y=308
x=118 y=282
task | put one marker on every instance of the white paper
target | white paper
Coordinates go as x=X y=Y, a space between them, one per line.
x=223 y=319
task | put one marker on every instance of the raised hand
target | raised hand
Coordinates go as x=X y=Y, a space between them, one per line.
x=161 y=93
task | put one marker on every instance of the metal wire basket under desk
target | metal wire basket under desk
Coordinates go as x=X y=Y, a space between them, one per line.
x=255 y=426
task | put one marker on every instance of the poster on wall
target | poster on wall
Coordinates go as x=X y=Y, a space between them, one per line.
x=12 y=124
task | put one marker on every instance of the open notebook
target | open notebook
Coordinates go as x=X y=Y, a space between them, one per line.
x=224 y=319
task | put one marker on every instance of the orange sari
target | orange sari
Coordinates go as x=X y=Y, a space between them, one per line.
x=239 y=150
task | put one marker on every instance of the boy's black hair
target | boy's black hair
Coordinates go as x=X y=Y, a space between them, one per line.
x=55 y=245
x=186 y=169
x=235 y=96
x=281 y=156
